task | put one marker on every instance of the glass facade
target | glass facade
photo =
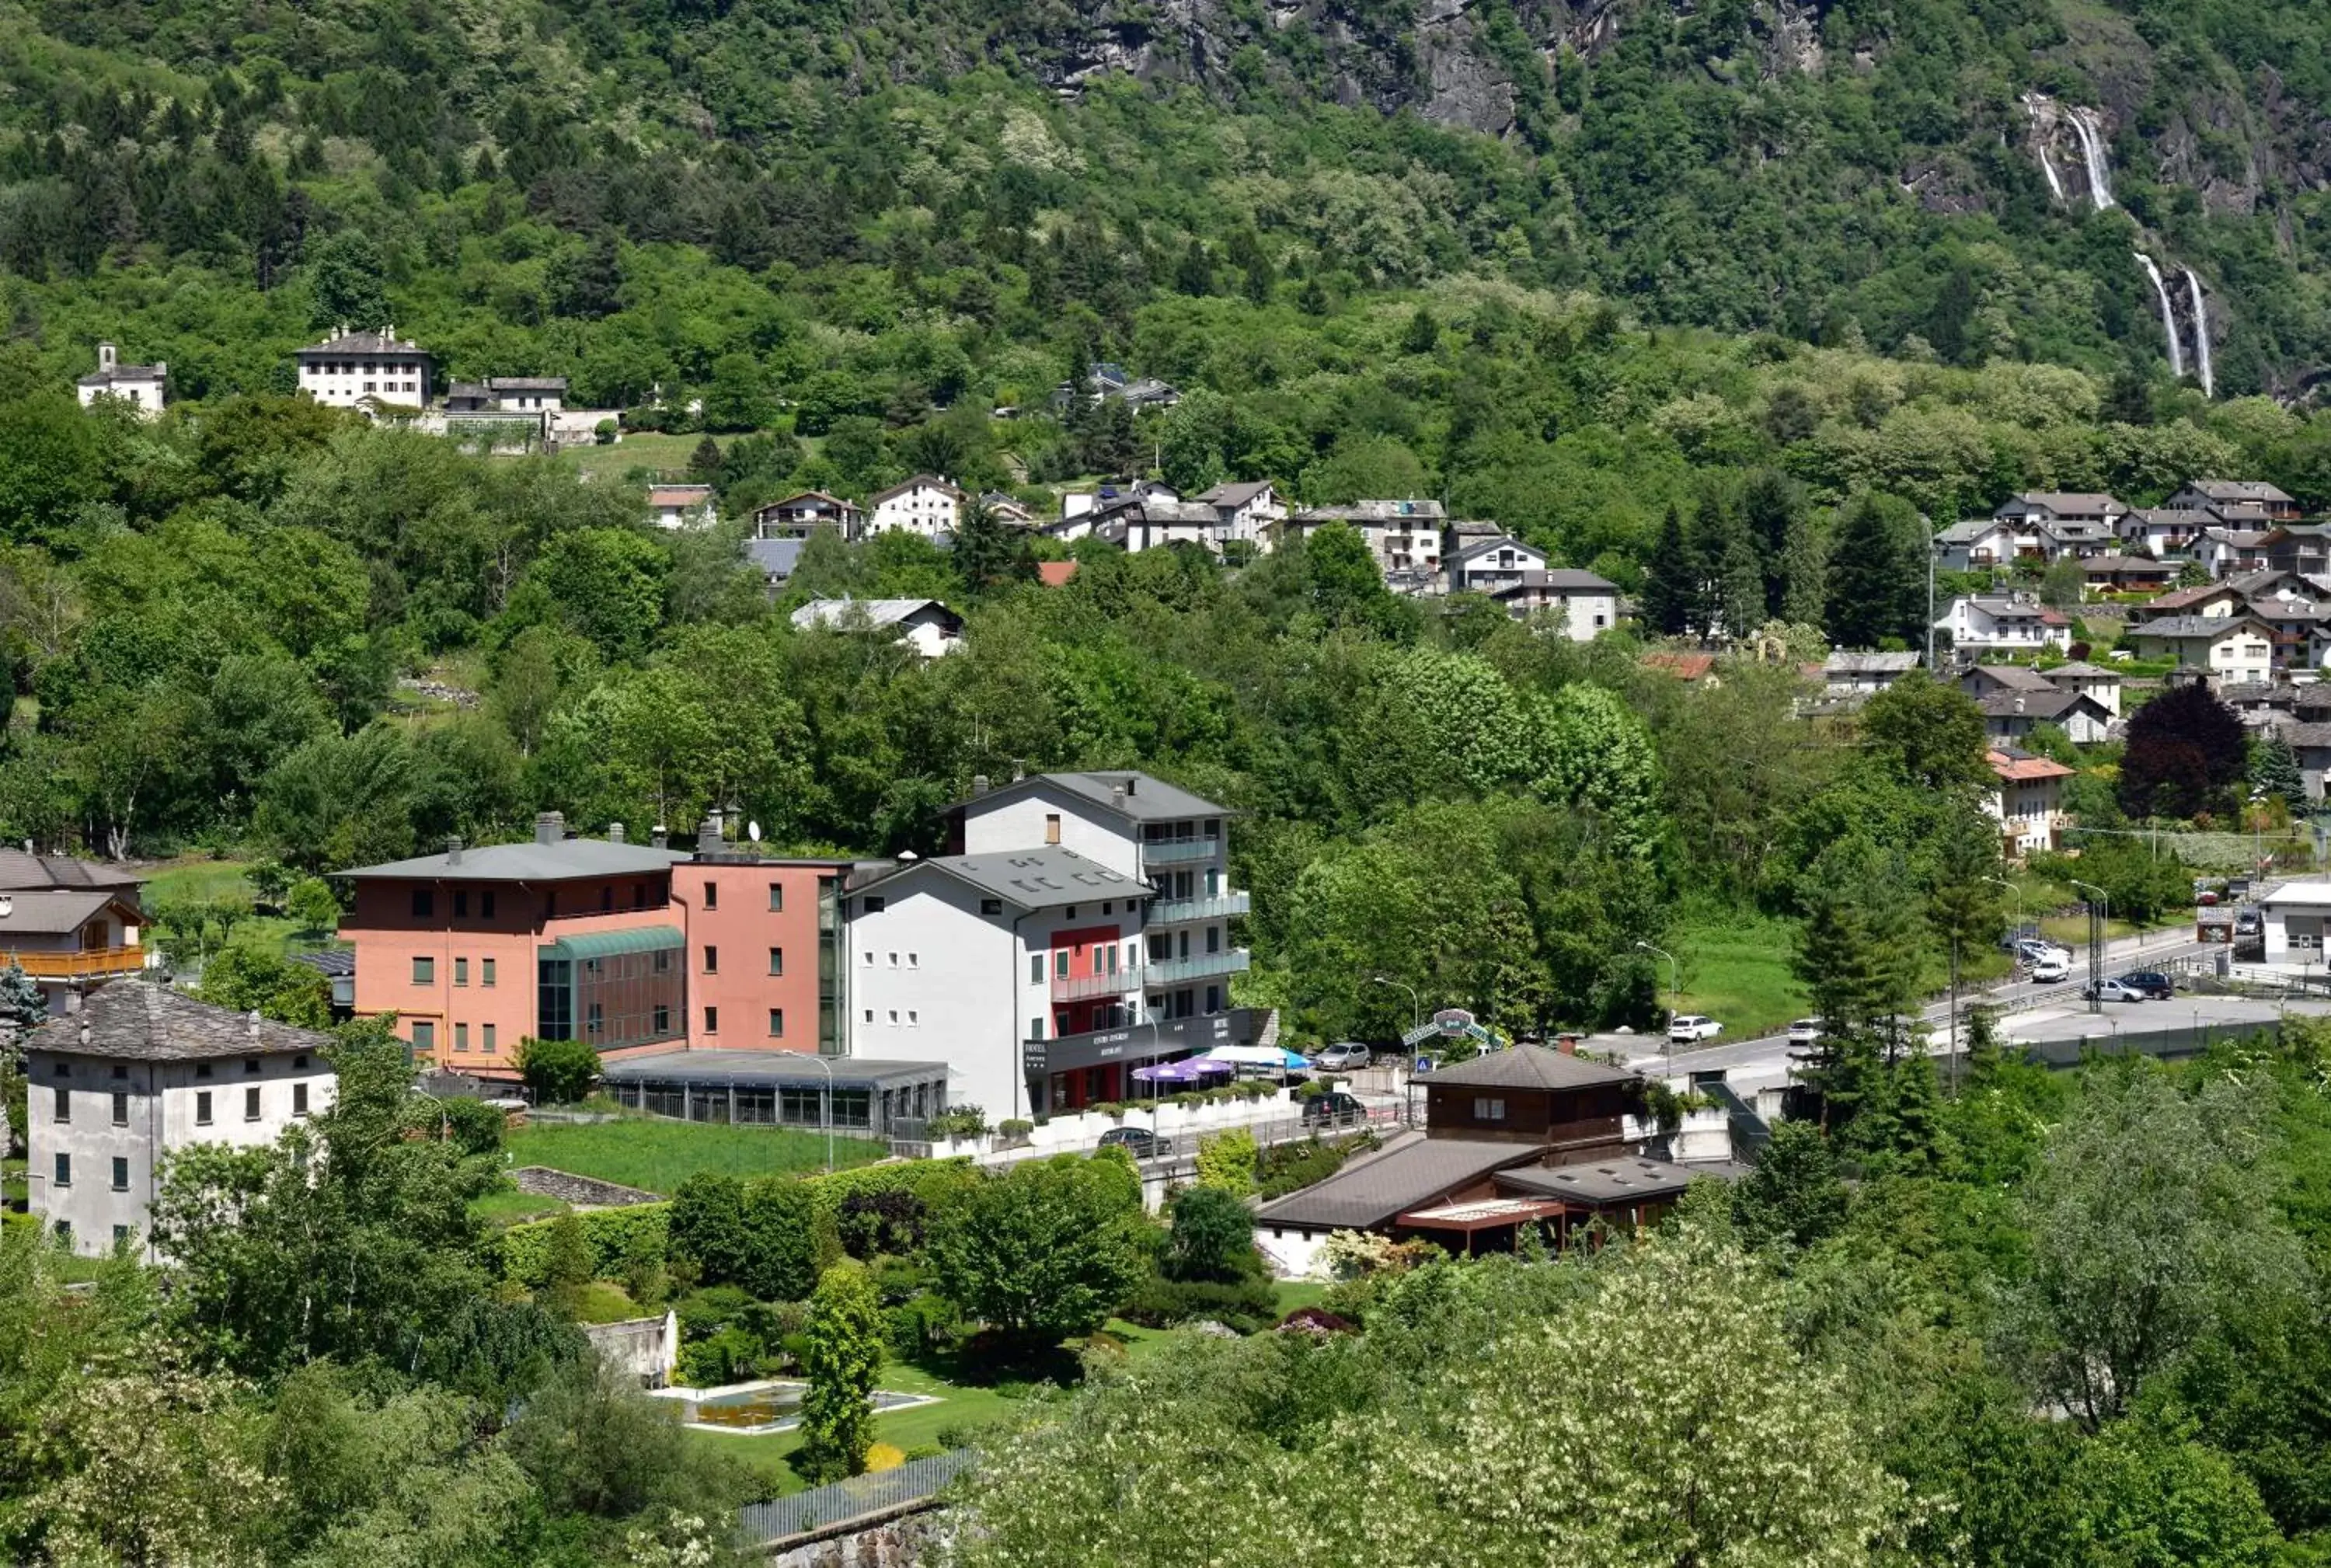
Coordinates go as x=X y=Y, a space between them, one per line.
x=611 y=989
x=830 y=968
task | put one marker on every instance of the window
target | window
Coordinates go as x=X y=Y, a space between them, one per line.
x=1051 y=827
x=425 y=903
x=424 y=971
x=461 y=972
x=712 y=1021
x=869 y=1015
x=894 y=960
x=299 y=1100
x=486 y=912
x=776 y=1023
x=425 y=1034
x=461 y=1037
x=203 y=1108
x=913 y=1018
x=461 y=903
x=777 y=961
x=607 y=896
x=62 y=1175
x=202 y=1069
x=120 y=1110
x=1214 y=939
x=64 y=1069
x=120 y=1071
x=640 y=895
x=596 y=1018
x=876 y=903
x=712 y=895
x=486 y=1036
x=866 y=961
x=1036 y=969
x=990 y=906
x=913 y=961
x=64 y=1229
x=250 y=1064
x=894 y=1017
x=486 y=972
x=250 y=1103
x=1488 y=1110
x=662 y=960
x=1060 y=965
x=712 y=960
x=121 y=1234
x=65 y=1104
x=776 y=897
x=120 y=1174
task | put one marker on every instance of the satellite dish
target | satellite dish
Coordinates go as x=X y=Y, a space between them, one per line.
x=752 y=831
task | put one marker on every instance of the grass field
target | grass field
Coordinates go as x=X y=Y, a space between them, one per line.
x=658 y=1156
x=1736 y=970
x=641 y=449
x=500 y=1209
x=200 y=881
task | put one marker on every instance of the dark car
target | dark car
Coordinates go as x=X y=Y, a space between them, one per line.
x=1139 y=1142
x=2151 y=983
x=1335 y=1105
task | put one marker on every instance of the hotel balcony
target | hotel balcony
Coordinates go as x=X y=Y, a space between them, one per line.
x=1092 y=987
x=1181 y=911
x=1179 y=852
x=1164 y=972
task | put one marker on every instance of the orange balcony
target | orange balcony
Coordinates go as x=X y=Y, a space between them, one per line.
x=78 y=963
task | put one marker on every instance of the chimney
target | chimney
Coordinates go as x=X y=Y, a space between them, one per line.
x=614 y=832
x=1018 y=772
x=1567 y=1043
x=708 y=836
x=106 y=356
x=659 y=836
x=549 y=827
x=2018 y=702
x=253 y=1022
x=978 y=785
x=1116 y=797
x=1131 y=779
x=453 y=849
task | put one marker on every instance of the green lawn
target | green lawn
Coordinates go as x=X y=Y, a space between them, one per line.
x=658 y=1156
x=201 y=880
x=500 y=1209
x=638 y=450
x=1736 y=970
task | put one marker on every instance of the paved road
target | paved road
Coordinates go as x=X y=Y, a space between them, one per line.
x=1748 y=1063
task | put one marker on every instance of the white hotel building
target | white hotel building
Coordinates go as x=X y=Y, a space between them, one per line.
x=1081 y=928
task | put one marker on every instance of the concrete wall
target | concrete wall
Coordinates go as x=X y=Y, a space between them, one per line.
x=997 y=826
x=743 y=929
x=958 y=993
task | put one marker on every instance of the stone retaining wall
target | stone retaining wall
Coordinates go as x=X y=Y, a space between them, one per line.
x=583 y=1192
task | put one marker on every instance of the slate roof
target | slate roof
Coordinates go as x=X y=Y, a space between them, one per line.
x=527 y=383
x=1529 y=1067
x=836 y=612
x=1041 y=878
x=1846 y=663
x=1971 y=530
x=1371 y=1189
x=2182 y=626
x=2063 y=501
x=2083 y=671
x=2307 y=735
x=1606 y=1183
x=1562 y=580
x=530 y=861
x=1403 y=511
x=1233 y=494
x=775 y=559
x=2011 y=677
x=918 y=481
x=121 y=372
x=21 y=870
x=2051 y=703
x=51 y=913
x=2253 y=491
x=139 y=1021
x=1145 y=799
x=383 y=342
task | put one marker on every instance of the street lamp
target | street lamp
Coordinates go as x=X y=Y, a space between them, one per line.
x=2017 y=894
x=1415 y=1002
x=1675 y=995
x=825 y=1110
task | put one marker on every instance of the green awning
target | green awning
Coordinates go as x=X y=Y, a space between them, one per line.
x=614 y=944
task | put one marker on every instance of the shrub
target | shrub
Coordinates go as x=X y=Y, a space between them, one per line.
x=1285 y=1168
x=843 y=1353
x=613 y=1236
x=1245 y=1305
x=959 y=1122
x=558 y=1071
x=474 y=1127
x=1226 y=1161
x=730 y=1355
x=788 y=1239
x=917 y=1327
x=1015 y=1131
x=1212 y=1237
x=869 y=1223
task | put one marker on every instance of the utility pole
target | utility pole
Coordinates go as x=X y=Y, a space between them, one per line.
x=2099 y=913
x=1930 y=593
x=1674 y=995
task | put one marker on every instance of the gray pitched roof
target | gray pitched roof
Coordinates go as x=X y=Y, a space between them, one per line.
x=2010 y=676
x=836 y=612
x=50 y=913
x=139 y=1021
x=1562 y=580
x=1530 y=1067
x=1373 y=1189
x=527 y=383
x=1039 y=879
x=1145 y=799
x=1407 y=512
x=777 y=558
x=1603 y=1182
x=530 y=861
x=1967 y=530
x=1233 y=493
x=2048 y=703
x=123 y=373
x=364 y=343
x=2190 y=625
x=1845 y=663
x=1502 y=541
x=2253 y=490
x=2082 y=671
x=20 y=870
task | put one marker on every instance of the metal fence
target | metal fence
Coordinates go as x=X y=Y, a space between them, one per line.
x=774 y=1523
x=2175 y=1040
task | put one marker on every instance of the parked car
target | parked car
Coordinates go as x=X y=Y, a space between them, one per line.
x=2207 y=898
x=1348 y=1056
x=2247 y=922
x=2034 y=950
x=2151 y=983
x=1805 y=1031
x=1692 y=1028
x=2052 y=970
x=1335 y=1105
x=1139 y=1142
x=2111 y=990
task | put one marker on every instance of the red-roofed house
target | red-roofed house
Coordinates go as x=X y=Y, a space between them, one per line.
x=1685 y=666
x=2027 y=800
x=1055 y=573
x=680 y=506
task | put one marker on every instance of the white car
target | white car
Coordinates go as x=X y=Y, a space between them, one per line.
x=1805 y=1031
x=2052 y=969
x=1692 y=1028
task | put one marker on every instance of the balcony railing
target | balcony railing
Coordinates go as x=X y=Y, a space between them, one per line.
x=1086 y=988
x=1221 y=907
x=79 y=964
x=1178 y=851
x=1160 y=972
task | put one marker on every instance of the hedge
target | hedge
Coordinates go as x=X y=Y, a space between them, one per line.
x=611 y=1232
x=935 y=1181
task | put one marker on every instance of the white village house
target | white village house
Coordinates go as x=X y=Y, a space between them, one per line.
x=925 y=625
x=926 y=504
x=364 y=369
x=1982 y=624
x=145 y=387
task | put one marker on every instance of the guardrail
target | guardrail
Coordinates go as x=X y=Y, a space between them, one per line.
x=862 y=1500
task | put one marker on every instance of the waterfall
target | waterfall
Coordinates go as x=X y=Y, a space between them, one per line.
x=2055 y=180
x=2168 y=318
x=2200 y=335
x=2092 y=150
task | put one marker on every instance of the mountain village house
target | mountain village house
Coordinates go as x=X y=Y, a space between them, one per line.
x=145 y=387
x=365 y=369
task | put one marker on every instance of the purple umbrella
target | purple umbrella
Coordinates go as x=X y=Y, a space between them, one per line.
x=1190 y=1069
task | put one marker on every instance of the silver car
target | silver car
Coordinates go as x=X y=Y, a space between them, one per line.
x=1348 y=1055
